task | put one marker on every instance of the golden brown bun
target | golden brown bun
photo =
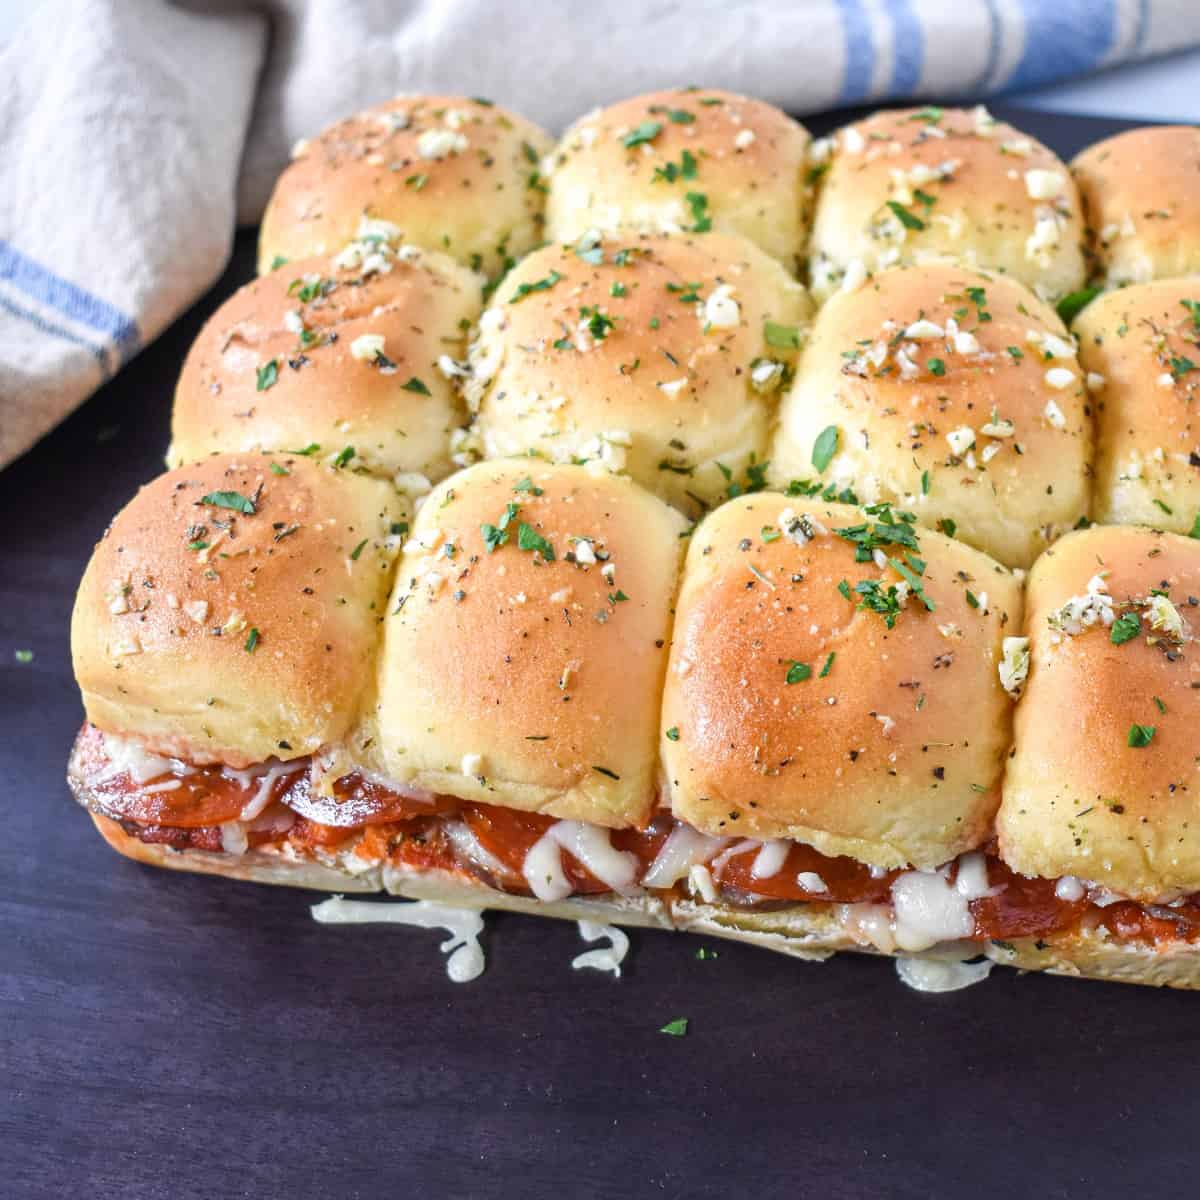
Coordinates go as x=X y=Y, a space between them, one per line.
x=984 y=208
x=1078 y=799
x=455 y=174
x=530 y=684
x=668 y=391
x=221 y=636
x=916 y=437
x=810 y=932
x=894 y=755
x=1141 y=196
x=1141 y=348
x=252 y=383
x=746 y=172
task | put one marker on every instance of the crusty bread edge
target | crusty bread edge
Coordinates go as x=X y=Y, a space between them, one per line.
x=806 y=931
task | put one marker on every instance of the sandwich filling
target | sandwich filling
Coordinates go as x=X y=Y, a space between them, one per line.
x=363 y=822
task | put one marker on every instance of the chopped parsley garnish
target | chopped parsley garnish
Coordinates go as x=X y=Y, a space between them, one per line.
x=1194 y=532
x=1125 y=628
x=797 y=672
x=1193 y=306
x=828 y=665
x=1162 y=708
x=891 y=529
x=416 y=385
x=279 y=469
x=1016 y=352
x=673 y=734
x=416 y=182
x=924 y=483
x=825 y=447
x=527 y=485
x=539 y=285
x=252 y=639
x=599 y=323
x=704 y=954
x=675 y=1028
x=1140 y=736
x=936 y=367
x=618 y=289
x=770 y=533
x=1162 y=504
x=907 y=219
x=615 y=598
x=978 y=297
x=972 y=599
x=305 y=290
x=879 y=599
x=1071 y=305
x=642 y=133
x=684 y=169
x=358 y=550
x=948 y=526
x=528 y=538
x=344 y=456
x=232 y=500
x=756 y=479
x=698 y=203
x=277 y=262
x=198 y=544
x=308 y=451
x=267 y=376
x=782 y=337
x=930 y=114
x=605 y=771
x=494 y=536
x=680 y=116
x=1181 y=365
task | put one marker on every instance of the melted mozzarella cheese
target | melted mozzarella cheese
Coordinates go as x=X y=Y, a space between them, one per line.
x=770 y=859
x=700 y=881
x=972 y=880
x=929 y=909
x=1069 y=888
x=269 y=775
x=683 y=849
x=603 y=958
x=469 y=847
x=589 y=845
x=128 y=757
x=465 y=959
x=934 y=975
x=543 y=870
x=233 y=838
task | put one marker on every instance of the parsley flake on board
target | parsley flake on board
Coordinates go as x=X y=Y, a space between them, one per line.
x=676 y=1028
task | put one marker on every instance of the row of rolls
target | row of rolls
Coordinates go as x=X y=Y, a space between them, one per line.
x=830 y=492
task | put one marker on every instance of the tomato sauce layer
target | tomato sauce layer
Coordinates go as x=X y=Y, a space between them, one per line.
x=413 y=831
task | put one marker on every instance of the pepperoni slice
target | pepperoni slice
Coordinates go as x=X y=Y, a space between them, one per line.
x=846 y=880
x=1023 y=907
x=357 y=801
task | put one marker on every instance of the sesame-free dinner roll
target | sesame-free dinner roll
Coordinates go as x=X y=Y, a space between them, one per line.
x=352 y=351
x=689 y=159
x=1141 y=197
x=816 y=694
x=912 y=186
x=1101 y=785
x=456 y=174
x=952 y=393
x=231 y=611
x=525 y=645
x=660 y=355
x=1140 y=347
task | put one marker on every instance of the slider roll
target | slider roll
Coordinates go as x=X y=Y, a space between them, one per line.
x=456 y=174
x=360 y=350
x=951 y=393
x=659 y=356
x=685 y=160
x=1140 y=349
x=1141 y=194
x=912 y=186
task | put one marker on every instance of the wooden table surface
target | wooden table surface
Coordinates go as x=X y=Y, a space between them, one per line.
x=168 y=1035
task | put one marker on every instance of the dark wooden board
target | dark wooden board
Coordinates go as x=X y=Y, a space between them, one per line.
x=177 y=1036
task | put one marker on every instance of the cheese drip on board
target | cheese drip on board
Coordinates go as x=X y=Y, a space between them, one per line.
x=603 y=958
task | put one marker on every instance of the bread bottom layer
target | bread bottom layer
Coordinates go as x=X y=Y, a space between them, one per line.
x=813 y=931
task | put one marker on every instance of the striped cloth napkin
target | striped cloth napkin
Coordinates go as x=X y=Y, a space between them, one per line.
x=135 y=134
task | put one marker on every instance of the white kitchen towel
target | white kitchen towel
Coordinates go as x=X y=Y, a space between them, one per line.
x=135 y=133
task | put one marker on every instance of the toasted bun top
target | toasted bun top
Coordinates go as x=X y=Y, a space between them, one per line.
x=1079 y=799
x=913 y=185
x=1141 y=348
x=456 y=174
x=520 y=680
x=660 y=354
x=1141 y=196
x=954 y=394
x=792 y=712
x=280 y=365
x=684 y=159
x=230 y=612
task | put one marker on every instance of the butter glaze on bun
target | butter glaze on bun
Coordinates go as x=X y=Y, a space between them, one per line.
x=791 y=712
x=1141 y=195
x=956 y=395
x=1102 y=781
x=1141 y=349
x=457 y=175
x=911 y=186
x=230 y=613
x=662 y=356
x=684 y=160
x=529 y=675
x=359 y=350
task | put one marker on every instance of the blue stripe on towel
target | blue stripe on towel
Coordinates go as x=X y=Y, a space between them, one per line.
x=49 y=289
x=44 y=326
x=1063 y=39
x=860 y=52
x=908 y=42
